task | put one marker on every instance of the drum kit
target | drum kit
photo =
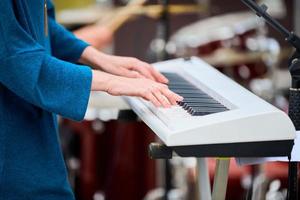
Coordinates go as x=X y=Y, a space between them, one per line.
x=237 y=44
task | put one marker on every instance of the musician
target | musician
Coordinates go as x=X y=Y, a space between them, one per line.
x=38 y=79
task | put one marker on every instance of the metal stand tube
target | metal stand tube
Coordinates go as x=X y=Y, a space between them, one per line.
x=203 y=180
x=221 y=179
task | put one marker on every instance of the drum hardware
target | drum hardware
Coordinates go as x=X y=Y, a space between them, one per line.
x=99 y=196
x=274 y=192
x=277 y=8
x=226 y=57
x=235 y=43
x=259 y=189
x=154 y=11
x=294 y=68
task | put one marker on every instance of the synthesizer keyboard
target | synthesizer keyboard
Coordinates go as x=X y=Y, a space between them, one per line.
x=217 y=117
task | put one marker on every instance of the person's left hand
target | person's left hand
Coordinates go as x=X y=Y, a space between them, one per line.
x=121 y=66
x=132 y=68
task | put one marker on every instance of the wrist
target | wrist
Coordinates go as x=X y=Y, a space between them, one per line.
x=93 y=58
x=102 y=81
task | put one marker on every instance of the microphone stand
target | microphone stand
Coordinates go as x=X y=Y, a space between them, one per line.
x=294 y=99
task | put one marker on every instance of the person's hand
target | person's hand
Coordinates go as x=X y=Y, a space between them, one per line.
x=157 y=93
x=121 y=66
x=132 y=68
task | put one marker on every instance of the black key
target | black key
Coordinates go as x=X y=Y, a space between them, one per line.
x=195 y=96
x=182 y=87
x=177 y=82
x=202 y=105
x=200 y=100
x=173 y=76
x=193 y=99
x=203 y=98
x=207 y=110
x=185 y=91
x=169 y=74
x=202 y=113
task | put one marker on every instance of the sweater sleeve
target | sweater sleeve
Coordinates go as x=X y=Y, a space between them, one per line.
x=37 y=77
x=64 y=43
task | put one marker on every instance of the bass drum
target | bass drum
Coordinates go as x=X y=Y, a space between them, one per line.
x=235 y=43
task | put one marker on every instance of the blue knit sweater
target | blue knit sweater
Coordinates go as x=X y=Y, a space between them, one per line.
x=38 y=79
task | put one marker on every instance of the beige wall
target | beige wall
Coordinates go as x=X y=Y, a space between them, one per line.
x=63 y=4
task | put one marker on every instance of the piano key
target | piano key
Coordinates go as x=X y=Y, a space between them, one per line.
x=185 y=91
x=208 y=102
x=195 y=96
x=203 y=105
x=186 y=105
x=198 y=100
x=219 y=109
x=181 y=87
x=174 y=83
x=202 y=113
x=169 y=73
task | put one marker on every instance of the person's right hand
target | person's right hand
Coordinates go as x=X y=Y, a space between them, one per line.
x=157 y=93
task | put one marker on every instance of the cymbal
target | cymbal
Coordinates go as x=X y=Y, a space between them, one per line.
x=226 y=57
x=154 y=11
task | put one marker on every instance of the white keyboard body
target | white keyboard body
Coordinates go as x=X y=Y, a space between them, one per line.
x=249 y=118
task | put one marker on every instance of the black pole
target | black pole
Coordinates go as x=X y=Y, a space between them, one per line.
x=294 y=114
x=294 y=99
x=261 y=11
x=164 y=26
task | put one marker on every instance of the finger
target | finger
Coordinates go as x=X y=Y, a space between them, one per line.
x=172 y=97
x=150 y=97
x=144 y=71
x=162 y=99
x=158 y=76
x=139 y=66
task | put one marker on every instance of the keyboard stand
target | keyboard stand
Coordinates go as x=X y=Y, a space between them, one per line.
x=220 y=179
x=203 y=179
x=222 y=152
x=158 y=151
